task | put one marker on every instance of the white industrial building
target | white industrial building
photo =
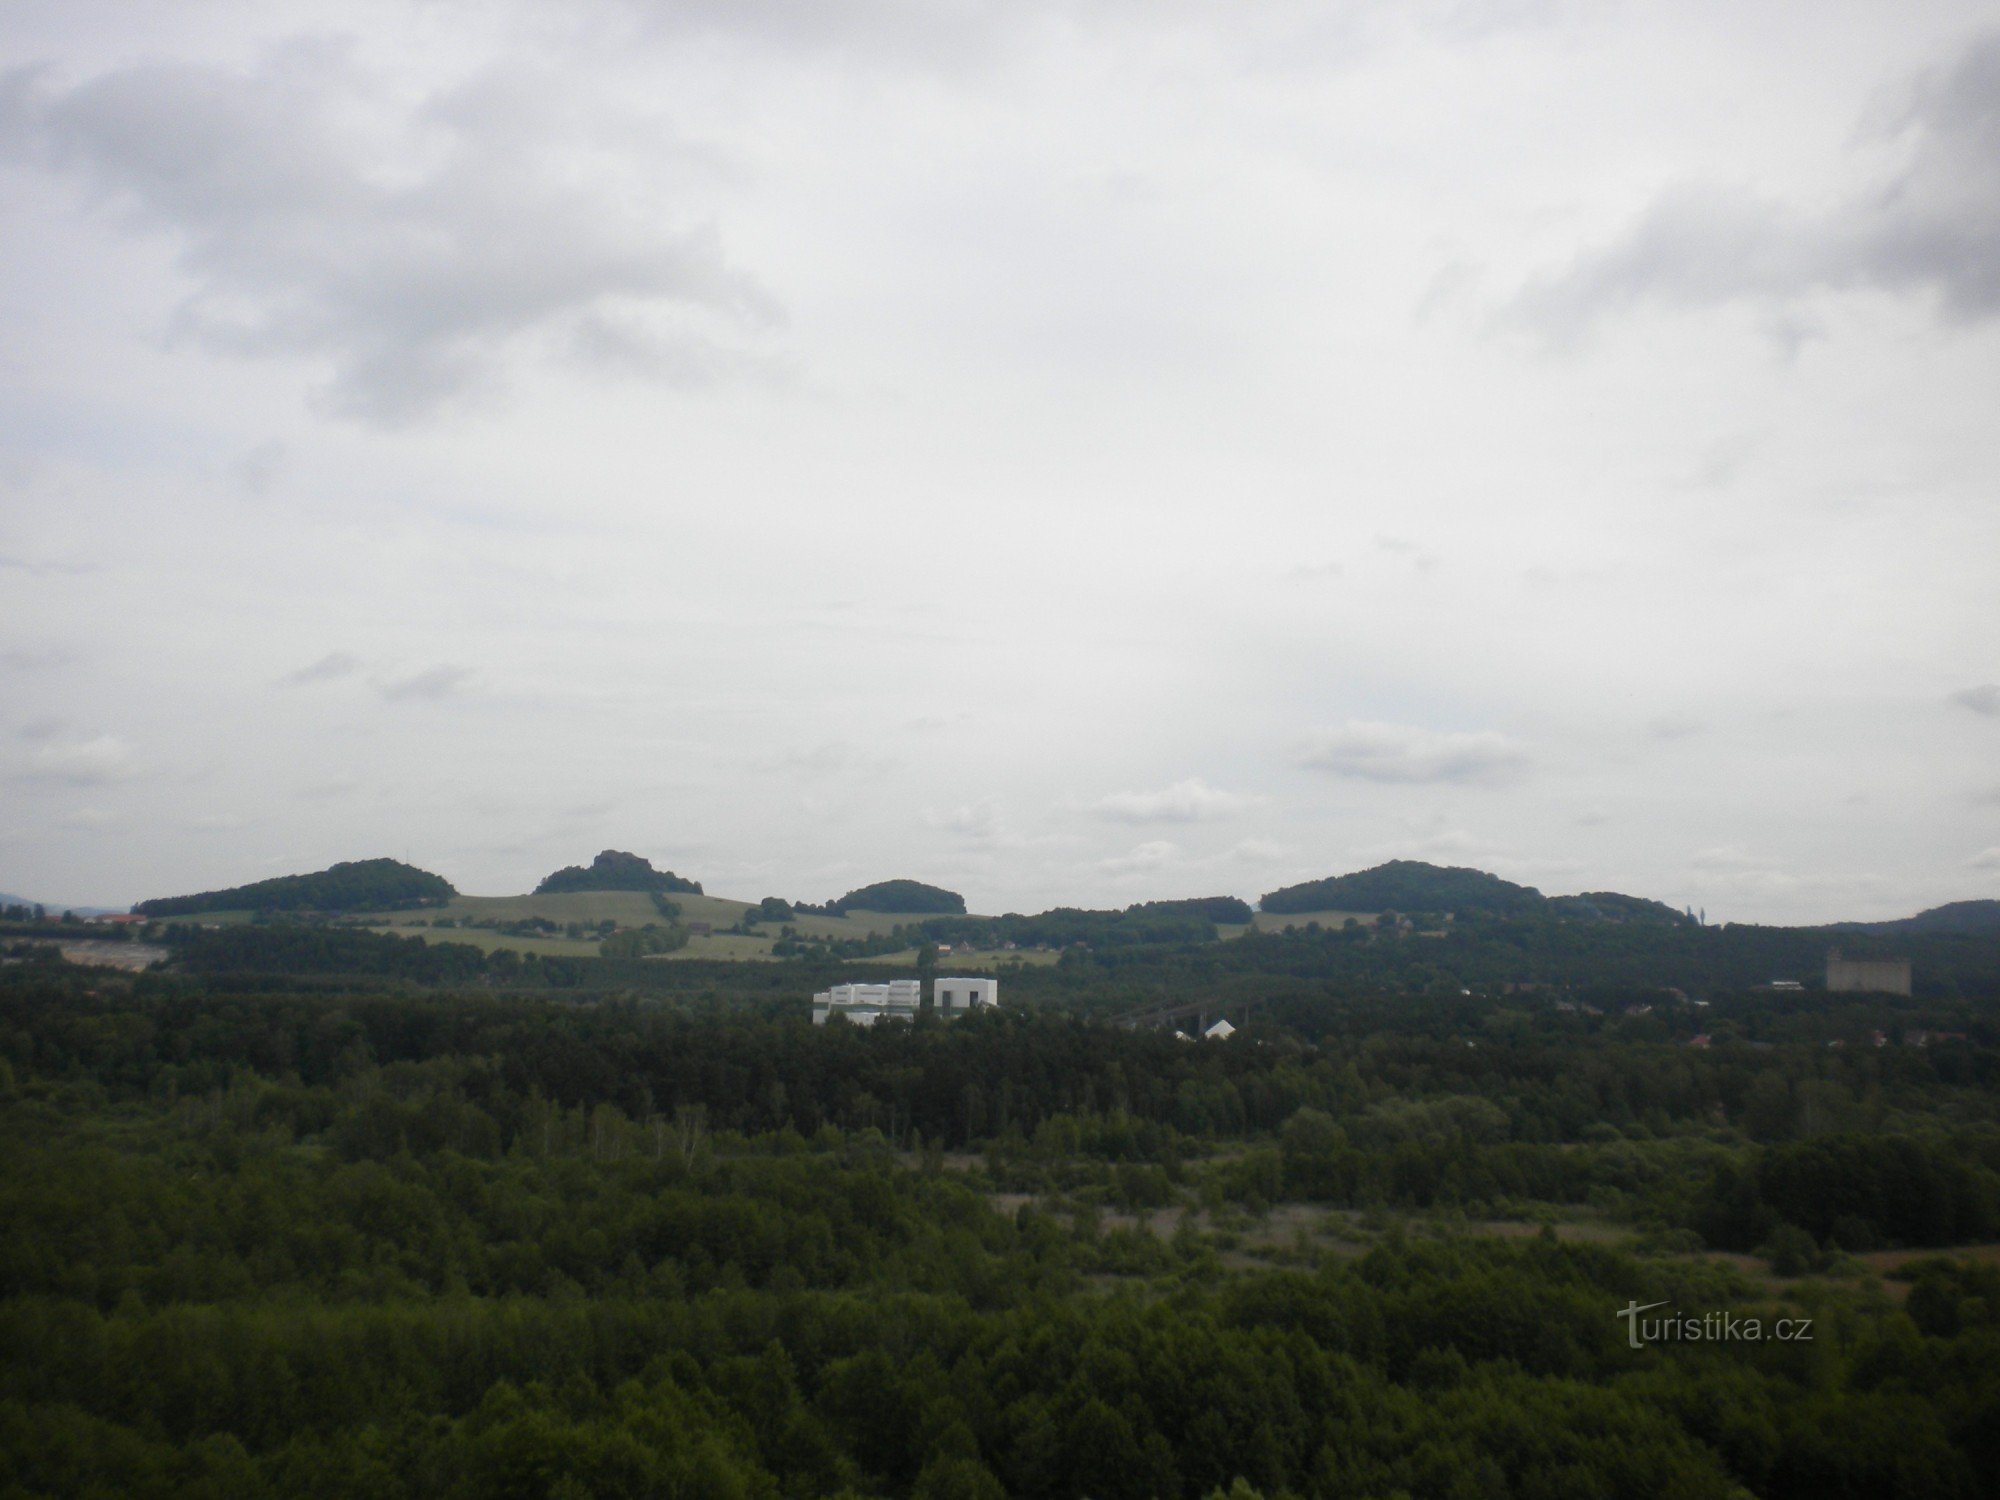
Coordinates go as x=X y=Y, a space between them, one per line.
x=899 y=999
x=865 y=1004
x=958 y=997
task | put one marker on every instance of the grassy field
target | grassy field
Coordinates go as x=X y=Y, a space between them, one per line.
x=486 y=939
x=727 y=945
x=626 y=908
x=1274 y=921
x=630 y=909
x=447 y=924
x=489 y=941
x=855 y=923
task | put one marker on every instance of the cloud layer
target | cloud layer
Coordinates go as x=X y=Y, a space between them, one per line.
x=411 y=243
x=1932 y=227
x=1059 y=451
x=1189 y=801
x=1403 y=753
x=96 y=761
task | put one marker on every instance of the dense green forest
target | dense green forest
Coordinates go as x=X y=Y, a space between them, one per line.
x=355 y=1237
x=1119 y=960
x=355 y=885
x=1231 y=910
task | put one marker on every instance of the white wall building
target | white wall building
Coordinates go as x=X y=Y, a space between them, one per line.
x=898 y=1000
x=865 y=1004
x=959 y=997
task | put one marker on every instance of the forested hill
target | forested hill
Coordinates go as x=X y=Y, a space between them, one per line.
x=1954 y=916
x=356 y=885
x=615 y=870
x=1411 y=885
x=900 y=897
x=1407 y=885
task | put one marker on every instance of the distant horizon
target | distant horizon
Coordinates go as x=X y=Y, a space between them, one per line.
x=974 y=907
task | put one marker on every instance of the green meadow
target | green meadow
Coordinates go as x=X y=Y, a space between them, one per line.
x=480 y=920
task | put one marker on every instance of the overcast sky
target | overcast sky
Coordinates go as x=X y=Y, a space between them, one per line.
x=1075 y=451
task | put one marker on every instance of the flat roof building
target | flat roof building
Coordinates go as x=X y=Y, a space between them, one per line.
x=960 y=997
x=1869 y=976
x=899 y=1000
x=865 y=1004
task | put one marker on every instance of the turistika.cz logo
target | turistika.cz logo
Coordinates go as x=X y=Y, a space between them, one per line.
x=1708 y=1328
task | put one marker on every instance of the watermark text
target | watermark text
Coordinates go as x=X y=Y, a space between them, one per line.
x=1708 y=1328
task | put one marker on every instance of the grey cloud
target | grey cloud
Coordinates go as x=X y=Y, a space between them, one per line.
x=1257 y=851
x=1155 y=854
x=1695 y=245
x=218 y=822
x=1933 y=227
x=1723 y=461
x=948 y=36
x=959 y=36
x=1984 y=699
x=92 y=762
x=824 y=759
x=1404 y=753
x=1986 y=859
x=627 y=347
x=1189 y=801
x=1314 y=572
x=832 y=758
x=1731 y=859
x=1420 y=558
x=328 y=791
x=1674 y=726
x=952 y=34
x=290 y=190
x=1457 y=844
x=257 y=471
x=977 y=821
x=428 y=686
x=36 y=569
x=334 y=665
